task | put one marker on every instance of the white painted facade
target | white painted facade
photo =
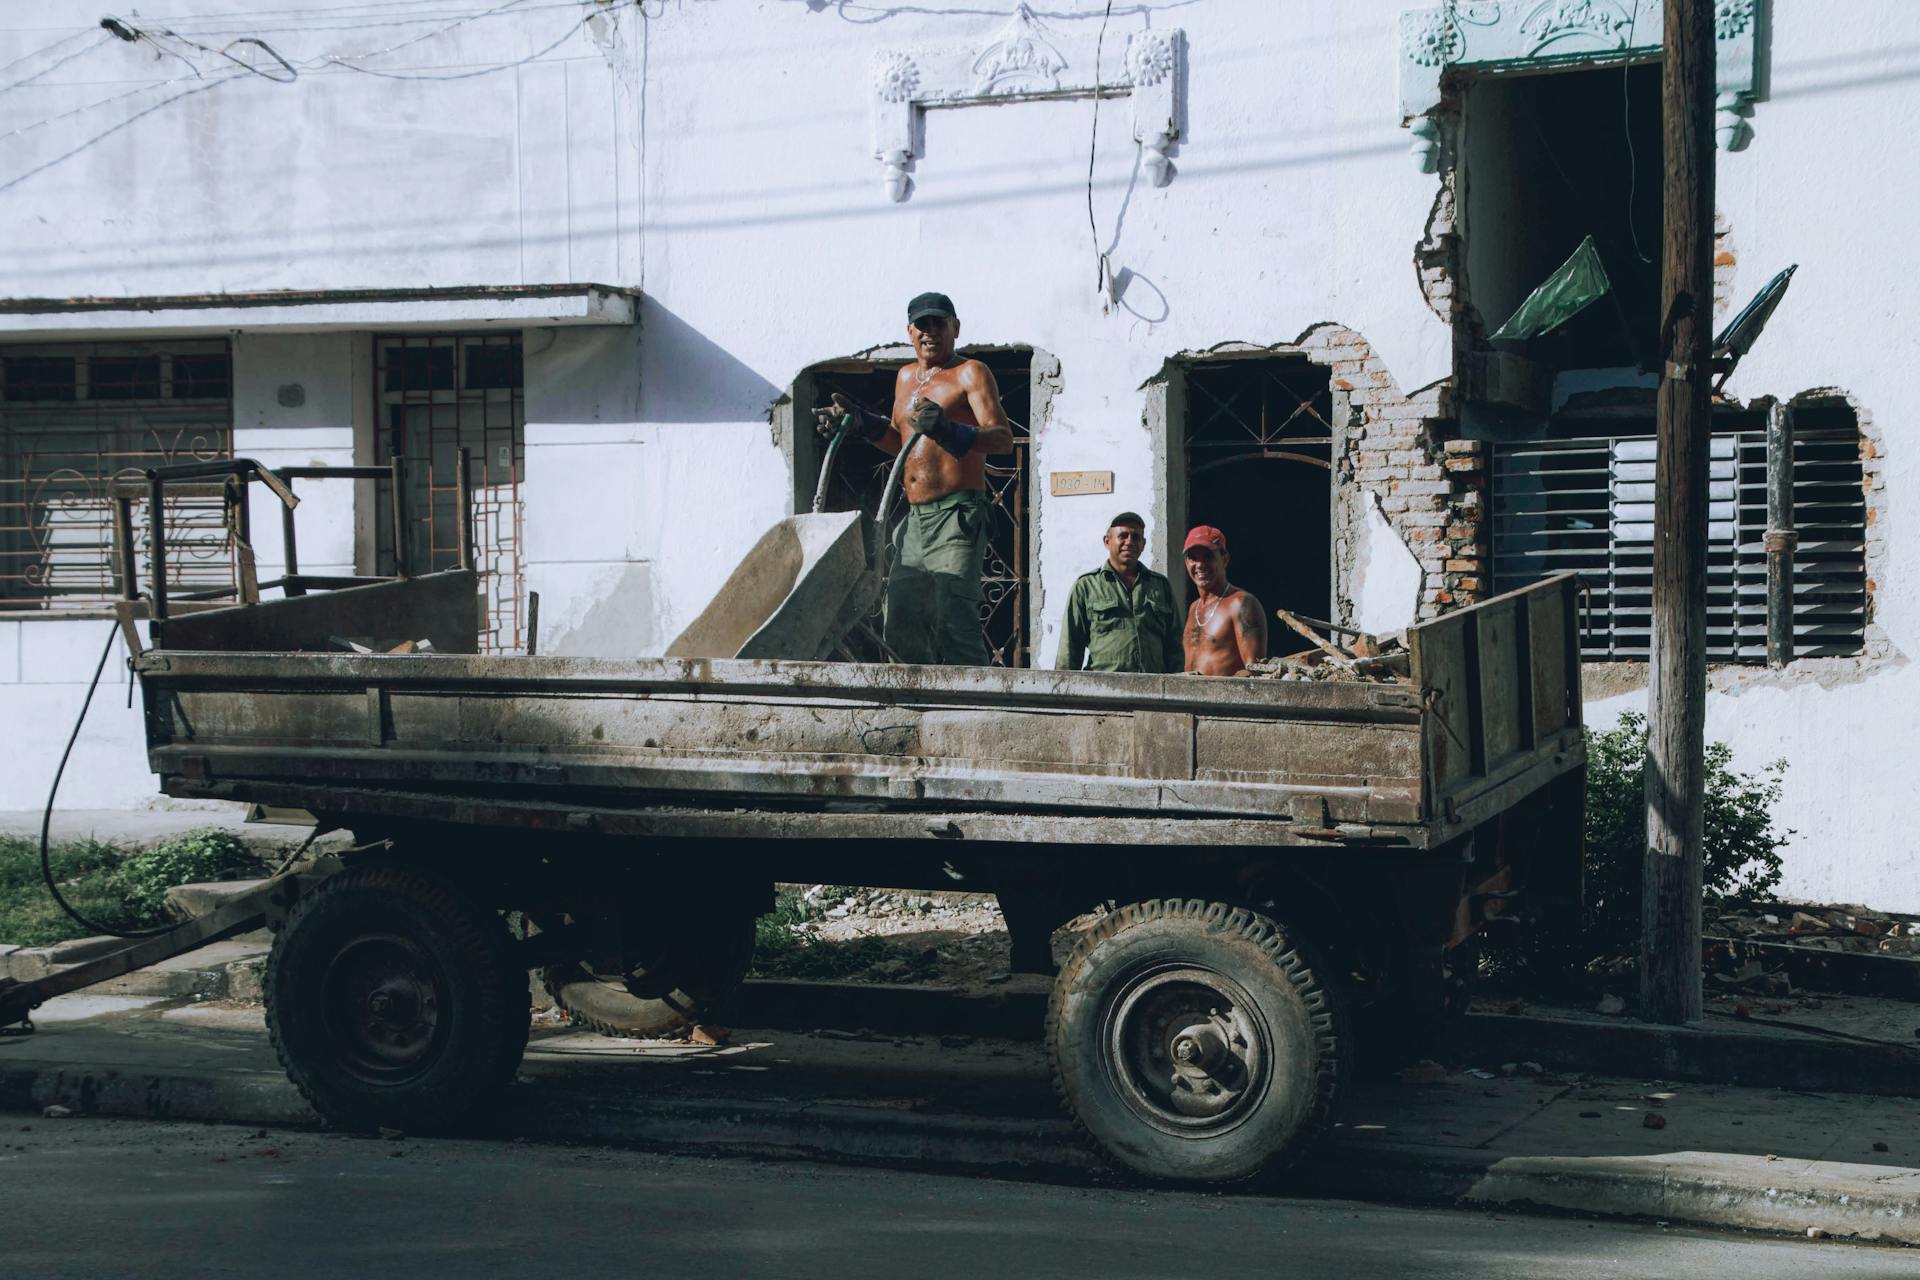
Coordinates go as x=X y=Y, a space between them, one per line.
x=718 y=156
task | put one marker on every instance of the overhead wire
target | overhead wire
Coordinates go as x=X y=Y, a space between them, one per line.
x=1633 y=163
x=343 y=62
x=49 y=69
x=482 y=71
x=45 y=48
x=1093 y=151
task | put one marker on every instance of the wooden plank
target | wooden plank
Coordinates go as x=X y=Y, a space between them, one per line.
x=799 y=778
x=671 y=820
x=1500 y=701
x=1440 y=668
x=1548 y=641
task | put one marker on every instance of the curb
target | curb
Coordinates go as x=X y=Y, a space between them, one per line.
x=1868 y=1202
x=1759 y=1193
x=1750 y=1058
x=1618 y=1047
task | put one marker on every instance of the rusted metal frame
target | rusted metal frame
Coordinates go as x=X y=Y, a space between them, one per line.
x=1782 y=538
x=463 y=503
x=1265 y=454
x=668 y=821
x=402 y=550
x=747 y=679
x=240 y=516
x=156 y=556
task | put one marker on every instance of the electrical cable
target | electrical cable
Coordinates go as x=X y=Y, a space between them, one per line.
x=45 y=48
x=431 y=34
x=1093 y=151
x=483 y=71
x=55 y=66
x=1626 y=113
x=46 y=818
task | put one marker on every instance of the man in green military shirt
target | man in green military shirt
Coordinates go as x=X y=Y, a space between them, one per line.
x=1122 y=616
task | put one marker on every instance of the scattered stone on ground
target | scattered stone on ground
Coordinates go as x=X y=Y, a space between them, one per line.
x=932 y=937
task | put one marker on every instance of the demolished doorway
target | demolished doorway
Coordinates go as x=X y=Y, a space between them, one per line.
x=860 y=477
x=1257 y=438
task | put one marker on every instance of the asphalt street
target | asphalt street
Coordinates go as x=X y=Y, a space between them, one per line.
x=97 y=1198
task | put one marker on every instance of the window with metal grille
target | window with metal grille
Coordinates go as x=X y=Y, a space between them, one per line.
x=77 y=418
x=438 y=394
x=1584 y=504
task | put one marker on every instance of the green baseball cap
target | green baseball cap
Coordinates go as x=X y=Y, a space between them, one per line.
x=930 y=304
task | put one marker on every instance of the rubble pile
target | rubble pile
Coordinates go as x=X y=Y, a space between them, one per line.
x=1356 y=656
x=1852 y=929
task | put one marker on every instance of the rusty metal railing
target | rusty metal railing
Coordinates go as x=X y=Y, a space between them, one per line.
x=231 y=480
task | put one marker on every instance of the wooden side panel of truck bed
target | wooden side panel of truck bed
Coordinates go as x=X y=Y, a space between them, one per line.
x=1315 y=760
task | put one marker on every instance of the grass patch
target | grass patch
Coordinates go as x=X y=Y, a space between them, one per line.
x=116 y=887
x=780 y=950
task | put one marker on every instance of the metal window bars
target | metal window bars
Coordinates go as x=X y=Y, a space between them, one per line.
x=436 y=394
x=78 y=419
x=1583 y=505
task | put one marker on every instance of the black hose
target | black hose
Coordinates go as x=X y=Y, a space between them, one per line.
x=46 y=819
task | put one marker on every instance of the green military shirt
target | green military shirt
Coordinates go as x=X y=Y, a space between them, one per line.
x=1112 y=628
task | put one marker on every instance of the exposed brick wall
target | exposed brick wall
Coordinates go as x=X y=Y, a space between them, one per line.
x=1431 y=488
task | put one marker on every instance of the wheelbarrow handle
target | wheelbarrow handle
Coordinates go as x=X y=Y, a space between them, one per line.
x=826 y=462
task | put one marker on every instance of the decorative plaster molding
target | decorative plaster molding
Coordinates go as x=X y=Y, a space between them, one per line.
x=1025 y=60
x=1505 y=34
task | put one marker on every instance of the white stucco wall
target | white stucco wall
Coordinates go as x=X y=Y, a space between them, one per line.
x=716 y=154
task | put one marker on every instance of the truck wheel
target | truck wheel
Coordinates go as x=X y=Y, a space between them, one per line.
x=688 y=976
x=393 y=1001
x=1192 y=1041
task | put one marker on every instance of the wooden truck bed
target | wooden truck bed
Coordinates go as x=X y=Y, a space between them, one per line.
x=766 y=749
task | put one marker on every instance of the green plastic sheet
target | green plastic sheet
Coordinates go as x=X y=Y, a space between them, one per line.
x=1578 y=284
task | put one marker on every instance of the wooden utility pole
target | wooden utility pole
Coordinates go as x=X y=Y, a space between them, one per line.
x=1676 y=728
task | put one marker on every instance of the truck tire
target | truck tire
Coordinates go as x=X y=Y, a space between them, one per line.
x=694 y=974
x=393 y=1001
x=1192 y=1041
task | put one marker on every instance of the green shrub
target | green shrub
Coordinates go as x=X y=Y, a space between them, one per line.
x=208 y=853
x=84 y=869
x=107 y=884
x=1741 y=847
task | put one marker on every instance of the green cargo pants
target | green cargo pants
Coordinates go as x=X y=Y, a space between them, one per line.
x=933 y=595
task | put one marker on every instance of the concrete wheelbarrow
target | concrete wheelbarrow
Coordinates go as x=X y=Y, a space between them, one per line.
x=807 y=583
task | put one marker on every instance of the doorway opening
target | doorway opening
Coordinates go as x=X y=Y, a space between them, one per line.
x=860 y=477
x=1259 y=443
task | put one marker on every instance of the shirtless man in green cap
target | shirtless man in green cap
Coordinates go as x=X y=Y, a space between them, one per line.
x=933 y=593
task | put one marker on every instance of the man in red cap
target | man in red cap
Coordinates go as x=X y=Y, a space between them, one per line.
x=1226 y=627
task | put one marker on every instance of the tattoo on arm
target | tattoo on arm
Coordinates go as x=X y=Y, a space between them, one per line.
x=1250 y=620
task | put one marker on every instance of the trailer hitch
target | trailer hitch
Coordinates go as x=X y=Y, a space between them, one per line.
x=16 y=1004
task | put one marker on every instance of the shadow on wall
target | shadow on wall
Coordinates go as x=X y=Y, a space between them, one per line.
x=620 y=623
x=687 y=377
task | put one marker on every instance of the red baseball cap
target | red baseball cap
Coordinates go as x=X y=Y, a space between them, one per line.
x=1205 y=535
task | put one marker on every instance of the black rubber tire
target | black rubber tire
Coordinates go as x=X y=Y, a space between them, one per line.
x=1273 y=996
x=414 y=924
x=701 y=970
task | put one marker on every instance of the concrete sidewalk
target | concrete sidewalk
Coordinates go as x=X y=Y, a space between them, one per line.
x=1721 y=1156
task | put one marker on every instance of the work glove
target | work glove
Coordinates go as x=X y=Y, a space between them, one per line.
x=955 y=437
x=861 y=420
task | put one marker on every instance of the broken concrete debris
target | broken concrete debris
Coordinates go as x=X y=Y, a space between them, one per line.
x=1362 y=657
